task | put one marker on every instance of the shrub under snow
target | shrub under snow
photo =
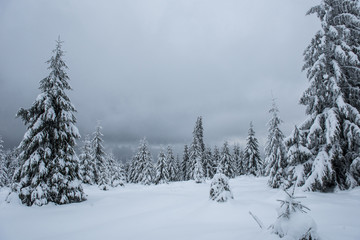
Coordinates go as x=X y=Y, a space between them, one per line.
x=220 y=188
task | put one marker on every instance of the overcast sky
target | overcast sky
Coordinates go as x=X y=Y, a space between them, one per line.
x=151 y=67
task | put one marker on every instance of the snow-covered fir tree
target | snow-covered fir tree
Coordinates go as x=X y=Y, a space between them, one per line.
x=220 y=189
x=196 y=152
x=216 y=157
x=198 y=171
x=293 y=221
x=49 y=170
x=116 y=171
x=87 y=164
x=11 y=163
x=178 y=167
x=298 y=158
x=100 y=160
x=185 y=164
x=132 y=175
x=332 y=100
x=3 y=168
x=172 y=165
x=238 y=160
x=252 y=159
x=162 y=173
x=275 y=153
x=208 y=164
x=199 y=133
x=225 y=165
x=143 y=164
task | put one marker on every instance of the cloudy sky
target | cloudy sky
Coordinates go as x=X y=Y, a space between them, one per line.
x=150 y=67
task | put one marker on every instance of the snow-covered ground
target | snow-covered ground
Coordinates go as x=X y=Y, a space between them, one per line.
x=176 y=211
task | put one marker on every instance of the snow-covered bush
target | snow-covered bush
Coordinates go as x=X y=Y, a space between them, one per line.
x=220 y=189
x=293 y=222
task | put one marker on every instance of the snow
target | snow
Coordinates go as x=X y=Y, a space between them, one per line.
x=179 y=210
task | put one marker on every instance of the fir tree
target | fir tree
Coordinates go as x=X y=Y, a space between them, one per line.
x=87 y=164
x=178 y=167
x=116 y=171
x=3 y=168
x=100 y=160
x=225 y=165
x=185 y=164
x=275 y=156
x=143 y=164
x=252 y=155
x=209 y=166
x=216 y=157
x=132 y=174
x=172 y=166
x=162 y=173
x=49 y=170
x=333 y=98
x=11 y=163
x=220 y=189
x=237 y=160
x=198 y=171
x=293 y=222
x=197 y=148
x=299 y=159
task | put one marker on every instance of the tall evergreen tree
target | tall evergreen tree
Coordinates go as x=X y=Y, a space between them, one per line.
x=3 y=168
x=49 y=170
x=172 y=166
x=185 y=164
x=275 y=154
x=216 y=157
x=162 y=173
x=197 y=147
x=116 y=171
x=209 y=166
x=237 y=159
x=178 y=167
x=87 y=164
x=252 y=154
x=198 y=171
x=143 y=164
x=299 y=159
x=332 y=100
x=226 y=163
x=11 y=163
x=100 y=160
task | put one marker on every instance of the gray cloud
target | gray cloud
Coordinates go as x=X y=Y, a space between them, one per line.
x=149 y=68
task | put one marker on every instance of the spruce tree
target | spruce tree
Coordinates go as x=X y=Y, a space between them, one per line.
x=162 y=173
x=3 y=168
x=185 y=164
x=87 y=164
x=143 y=164
x=49 y=170
x=220 y=189
x=252 y=154
x=216 y=157
x=275 y=153
x=197 y=148
x=299 y=159
x=10 y=161
x=226 y=162
x=132 y=174
x=332 y=101
x=116 y=171
x=209 y=166
x=100 y=160
x=198 y=171
x=237 y=160
x=172 y=166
